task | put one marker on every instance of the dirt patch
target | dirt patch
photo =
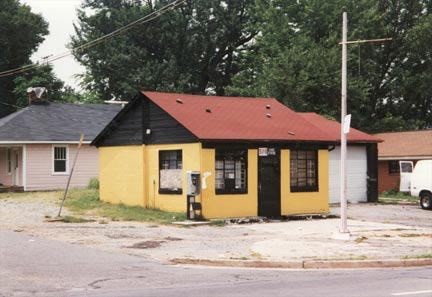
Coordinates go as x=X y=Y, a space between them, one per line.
x=415 y=235
x=150 y=244
x=169 y=238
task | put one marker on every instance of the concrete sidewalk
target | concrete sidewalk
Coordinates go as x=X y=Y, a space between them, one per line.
x=314 y=244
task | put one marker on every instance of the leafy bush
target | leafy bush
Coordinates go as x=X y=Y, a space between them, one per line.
x=93 y=184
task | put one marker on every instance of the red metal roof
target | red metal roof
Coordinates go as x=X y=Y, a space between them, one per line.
x=333 y=129
x=237 y=118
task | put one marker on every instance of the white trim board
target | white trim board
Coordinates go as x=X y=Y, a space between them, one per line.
x=24 y=167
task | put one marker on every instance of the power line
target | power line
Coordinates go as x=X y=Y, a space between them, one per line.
x=16 y=106
x=145 y=19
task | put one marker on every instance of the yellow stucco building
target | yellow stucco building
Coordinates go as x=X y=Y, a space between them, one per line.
x=255 y=156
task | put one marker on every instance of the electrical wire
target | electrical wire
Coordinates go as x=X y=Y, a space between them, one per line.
x=145 y=19
x=16 y=106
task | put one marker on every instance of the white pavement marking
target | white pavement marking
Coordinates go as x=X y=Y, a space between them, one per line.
x=412 y=293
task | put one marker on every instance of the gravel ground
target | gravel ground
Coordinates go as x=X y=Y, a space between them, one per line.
x=409 y=215
x=279 y=241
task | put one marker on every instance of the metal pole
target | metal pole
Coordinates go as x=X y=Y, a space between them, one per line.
x=343 y=203
x=70 y=175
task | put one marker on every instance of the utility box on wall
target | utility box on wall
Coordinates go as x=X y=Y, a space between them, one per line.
x=193 y=183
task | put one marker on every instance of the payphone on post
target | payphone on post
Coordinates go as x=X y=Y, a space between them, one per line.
x=193 y=190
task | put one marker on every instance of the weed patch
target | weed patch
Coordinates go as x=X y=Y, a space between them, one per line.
x=395 y=197
x=88 y=202
x=73 y=219
x=217 y=223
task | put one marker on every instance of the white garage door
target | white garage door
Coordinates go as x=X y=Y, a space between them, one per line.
x=356 y=174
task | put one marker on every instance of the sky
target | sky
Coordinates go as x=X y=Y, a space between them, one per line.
x=60 y=14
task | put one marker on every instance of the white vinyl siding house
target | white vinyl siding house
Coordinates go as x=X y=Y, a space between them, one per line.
x=38 y=144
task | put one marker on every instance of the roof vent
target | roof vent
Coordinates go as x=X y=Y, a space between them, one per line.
x=268 y=106
x=208 y=110
x=291 y=133
x=268 y=115
x=178 y=100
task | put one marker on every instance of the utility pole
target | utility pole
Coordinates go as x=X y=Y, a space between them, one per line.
x=343 y=212
x=343 y=229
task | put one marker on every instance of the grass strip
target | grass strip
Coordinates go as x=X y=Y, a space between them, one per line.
x=88 y=202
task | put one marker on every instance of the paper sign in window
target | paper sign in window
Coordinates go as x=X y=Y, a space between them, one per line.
x=171 y=179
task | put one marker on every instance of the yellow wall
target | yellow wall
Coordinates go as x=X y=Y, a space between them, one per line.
x=191 y=154
x=121 y=174
x=234 y=205
x=304 y=202
x=130 y=175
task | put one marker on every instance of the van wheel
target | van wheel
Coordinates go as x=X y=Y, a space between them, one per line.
x=426 y=200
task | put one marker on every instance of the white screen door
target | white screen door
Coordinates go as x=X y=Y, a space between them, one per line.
x=406 y=168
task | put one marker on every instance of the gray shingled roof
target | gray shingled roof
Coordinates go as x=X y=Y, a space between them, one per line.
x=57 y=122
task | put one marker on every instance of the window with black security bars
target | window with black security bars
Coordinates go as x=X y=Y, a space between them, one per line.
x=304 y=170
x=170 y=172
x=231 y=171
x=60 y=159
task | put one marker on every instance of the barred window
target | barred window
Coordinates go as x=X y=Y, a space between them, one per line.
x=60 y=159
x=231 y=171
x=170 y=172
x=304 y=170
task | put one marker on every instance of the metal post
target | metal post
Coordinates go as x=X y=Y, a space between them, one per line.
x=70 y=174
x=343 y=212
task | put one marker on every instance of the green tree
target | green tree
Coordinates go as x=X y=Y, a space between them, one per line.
x=21 y=31
x=57 y=91
x=40 y=77
x=194 y=48
x=297 y=60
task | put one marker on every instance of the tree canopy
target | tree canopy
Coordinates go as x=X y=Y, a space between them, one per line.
x=194 y=48
x=297 y=60
x=286 y=49
x=21 y=32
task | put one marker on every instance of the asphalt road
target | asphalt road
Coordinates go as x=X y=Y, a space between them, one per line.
x=31 y=266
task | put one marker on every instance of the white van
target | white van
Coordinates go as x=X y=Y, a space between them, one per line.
x=421 y=183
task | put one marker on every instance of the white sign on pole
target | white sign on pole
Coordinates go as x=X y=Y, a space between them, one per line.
x=347 y=124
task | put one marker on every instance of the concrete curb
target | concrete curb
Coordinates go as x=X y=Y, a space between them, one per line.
x=307 y=264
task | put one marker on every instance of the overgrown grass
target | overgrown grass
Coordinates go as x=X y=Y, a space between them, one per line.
x=395 y=197
x=93 y=184
x=87 y=202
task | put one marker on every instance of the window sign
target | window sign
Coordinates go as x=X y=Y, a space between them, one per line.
x=271 y=151
x=262 y=151
x=170 y=172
